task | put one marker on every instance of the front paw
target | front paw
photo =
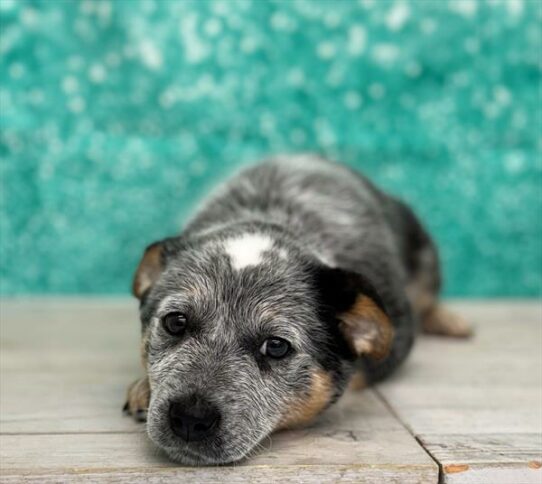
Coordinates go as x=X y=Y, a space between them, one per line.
x=137 y=400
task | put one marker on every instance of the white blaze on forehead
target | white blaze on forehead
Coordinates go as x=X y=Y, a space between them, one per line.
x=246 y=250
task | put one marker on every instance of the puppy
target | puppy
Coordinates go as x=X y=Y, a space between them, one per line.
x=296 y=275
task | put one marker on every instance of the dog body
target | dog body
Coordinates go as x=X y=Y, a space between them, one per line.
x=296 y=274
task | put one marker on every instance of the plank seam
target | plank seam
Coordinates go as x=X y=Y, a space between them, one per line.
x=409 y=430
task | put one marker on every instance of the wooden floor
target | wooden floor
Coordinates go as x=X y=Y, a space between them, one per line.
x=461 y=412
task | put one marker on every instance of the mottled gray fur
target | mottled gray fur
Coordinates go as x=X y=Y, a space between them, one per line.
x=317 y=214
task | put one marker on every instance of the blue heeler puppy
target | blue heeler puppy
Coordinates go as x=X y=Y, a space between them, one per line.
x=296 y=276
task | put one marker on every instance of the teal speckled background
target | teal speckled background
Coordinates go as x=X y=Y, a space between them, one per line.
x=117 y=116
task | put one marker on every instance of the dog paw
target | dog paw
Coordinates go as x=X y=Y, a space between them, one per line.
x=137 y=400
x=443 y=322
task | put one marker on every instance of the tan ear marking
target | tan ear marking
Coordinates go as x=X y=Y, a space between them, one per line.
x=367 y=328
x=303 y=410
x=148 y=270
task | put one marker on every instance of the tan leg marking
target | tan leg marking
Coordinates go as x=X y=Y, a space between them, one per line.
x=358 y=382
x=139 y=392
x=440 y=320
x=434 y=317
x=422 y=300
x=304 y=410
x=137 y=399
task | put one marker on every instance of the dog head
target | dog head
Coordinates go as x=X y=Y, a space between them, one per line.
x=243 y=334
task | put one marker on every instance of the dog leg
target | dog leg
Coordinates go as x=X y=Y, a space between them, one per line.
x=423 y=290
x=435 y=318
x=441 y=321
x=137 y=399
x=358 y=382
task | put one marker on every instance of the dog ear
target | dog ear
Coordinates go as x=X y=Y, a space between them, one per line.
x=149 y=269
x=152 y=264
x=355 y=304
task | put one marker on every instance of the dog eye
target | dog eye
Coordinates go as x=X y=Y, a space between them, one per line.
x=174 y=323
x=275 y=348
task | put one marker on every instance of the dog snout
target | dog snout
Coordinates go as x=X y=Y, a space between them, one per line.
x=193 y=418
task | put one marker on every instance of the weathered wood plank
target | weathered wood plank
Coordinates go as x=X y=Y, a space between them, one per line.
x=448 y=421
x=321 y=445
x=60 y=416
x=476 y=406
x=309 y=474
x=415 y=395
x=494 y=475
x=43 y=402
x=353 y=443
x=490 y=458
x=65 y=366
x=459 y=449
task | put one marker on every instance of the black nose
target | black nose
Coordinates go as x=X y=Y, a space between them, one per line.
x=193 y=418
